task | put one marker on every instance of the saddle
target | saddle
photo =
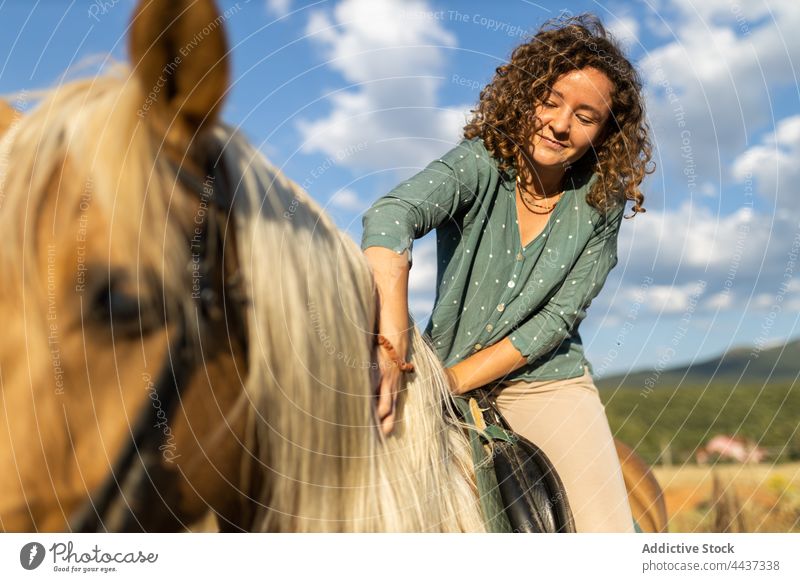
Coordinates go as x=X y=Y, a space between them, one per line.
x=518 y=486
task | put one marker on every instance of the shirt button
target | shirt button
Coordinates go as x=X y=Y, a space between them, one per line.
x=489 y=327
x=511 y=284
x=501 y=307
x=477 y=347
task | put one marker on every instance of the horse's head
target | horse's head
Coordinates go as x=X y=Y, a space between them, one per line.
x=117 y=296
x=155 y=363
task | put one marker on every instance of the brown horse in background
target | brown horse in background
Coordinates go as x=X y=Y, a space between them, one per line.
x=644 y=493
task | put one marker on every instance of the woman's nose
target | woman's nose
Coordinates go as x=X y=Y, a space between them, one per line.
x=560 y=123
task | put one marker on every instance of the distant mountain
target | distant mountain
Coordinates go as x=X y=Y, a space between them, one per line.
x=744 y=365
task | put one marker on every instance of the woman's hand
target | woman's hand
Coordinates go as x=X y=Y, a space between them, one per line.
x=452 y=379
x=390 y=381
x=484 y=367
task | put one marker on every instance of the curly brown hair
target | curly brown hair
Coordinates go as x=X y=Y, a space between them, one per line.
x=507 y=105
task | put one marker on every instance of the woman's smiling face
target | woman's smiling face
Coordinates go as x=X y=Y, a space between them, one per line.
x=571 y=119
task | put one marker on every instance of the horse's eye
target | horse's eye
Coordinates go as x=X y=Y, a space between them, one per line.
x=123 y=310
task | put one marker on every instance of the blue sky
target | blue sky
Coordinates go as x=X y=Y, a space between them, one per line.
x=349 y=97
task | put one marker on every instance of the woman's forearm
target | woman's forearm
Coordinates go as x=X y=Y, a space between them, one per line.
x=390 y=271
x=487 y=365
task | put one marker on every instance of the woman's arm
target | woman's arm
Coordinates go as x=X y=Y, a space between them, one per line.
x=390 y=271
x=411 y=210
x=425 y=201
x=553 y=323
x=488 y=365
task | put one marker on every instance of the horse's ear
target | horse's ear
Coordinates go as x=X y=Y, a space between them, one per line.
x=179 y=54
x=8 y=116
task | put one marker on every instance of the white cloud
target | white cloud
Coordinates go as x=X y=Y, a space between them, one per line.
x=711 y=89
x=763 y=301
x=346 y=199
x=667 y=299
x=420 y=309
x=784 y=297
x=726 y=11
x=775 y=164
x=719 y=301
x=422 y=280
x=709 y=190
x=625 y=30
x=693 y=237
x=793 y=305
x=395 y=57
x=712 y=86
x=279 y=8
x=739 y=256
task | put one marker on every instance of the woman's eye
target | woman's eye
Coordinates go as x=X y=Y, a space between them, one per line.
x=549 y=104
x=586 y=120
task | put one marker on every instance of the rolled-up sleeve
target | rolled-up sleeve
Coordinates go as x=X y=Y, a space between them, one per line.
x=425 y=201
x=545 y=329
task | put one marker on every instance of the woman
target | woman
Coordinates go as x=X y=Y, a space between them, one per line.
x=527 y=210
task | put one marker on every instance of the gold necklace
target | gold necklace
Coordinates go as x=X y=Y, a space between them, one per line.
x=535 y=211
x=547 y=208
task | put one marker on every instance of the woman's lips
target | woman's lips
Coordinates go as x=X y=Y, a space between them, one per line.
x=553 y=145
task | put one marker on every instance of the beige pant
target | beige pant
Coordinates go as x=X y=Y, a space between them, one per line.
x=566 y=419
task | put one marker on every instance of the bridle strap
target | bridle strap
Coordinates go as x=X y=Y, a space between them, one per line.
x=131 y=484
x=109 y=510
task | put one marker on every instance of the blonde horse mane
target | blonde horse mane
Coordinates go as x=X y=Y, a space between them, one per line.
x=115 y=164
x=311 y=316
x=312 y=377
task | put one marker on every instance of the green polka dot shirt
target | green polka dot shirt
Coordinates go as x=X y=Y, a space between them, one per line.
x=488 y=286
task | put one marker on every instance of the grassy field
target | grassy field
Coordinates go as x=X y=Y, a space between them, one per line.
x=749 y=498
x=679 y=420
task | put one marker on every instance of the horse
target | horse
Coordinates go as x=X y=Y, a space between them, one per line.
x=188 y=334
x=645 y=496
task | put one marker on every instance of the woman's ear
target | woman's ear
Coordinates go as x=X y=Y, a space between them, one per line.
x=179 y=55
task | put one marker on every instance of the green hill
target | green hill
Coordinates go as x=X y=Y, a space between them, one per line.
x=777 y=364
x=666 y=416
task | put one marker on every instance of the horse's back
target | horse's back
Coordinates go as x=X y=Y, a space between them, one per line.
x=644 y=493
